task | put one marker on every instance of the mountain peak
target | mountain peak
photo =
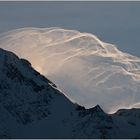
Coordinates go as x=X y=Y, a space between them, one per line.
x=95 y=111
x=97 y=108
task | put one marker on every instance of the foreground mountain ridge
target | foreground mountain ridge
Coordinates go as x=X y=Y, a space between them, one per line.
x=31 y=106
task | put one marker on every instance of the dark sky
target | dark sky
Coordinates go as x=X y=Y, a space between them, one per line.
x=112 y=22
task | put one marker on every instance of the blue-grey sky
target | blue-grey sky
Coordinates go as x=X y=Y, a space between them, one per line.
x=113 y=22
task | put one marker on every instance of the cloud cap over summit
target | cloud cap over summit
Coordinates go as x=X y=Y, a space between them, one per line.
x=87 y=70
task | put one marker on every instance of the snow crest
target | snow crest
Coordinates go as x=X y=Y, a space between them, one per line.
x=87 y=70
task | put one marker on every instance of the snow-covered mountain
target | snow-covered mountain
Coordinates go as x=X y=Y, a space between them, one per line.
x=87 y=70
x=31 y=106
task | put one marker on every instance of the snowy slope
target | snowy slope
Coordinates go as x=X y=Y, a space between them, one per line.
x=27 y=97
x=32 y=107
x=87 y=70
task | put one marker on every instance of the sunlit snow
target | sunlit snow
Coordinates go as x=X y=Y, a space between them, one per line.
x=87 y=70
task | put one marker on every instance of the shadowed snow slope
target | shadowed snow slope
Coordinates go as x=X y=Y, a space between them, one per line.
x=32 y=107
x=87 y=70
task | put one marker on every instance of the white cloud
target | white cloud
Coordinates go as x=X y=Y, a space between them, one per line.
x=87 y=70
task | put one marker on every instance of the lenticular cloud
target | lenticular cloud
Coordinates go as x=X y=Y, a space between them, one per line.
x=87 y=70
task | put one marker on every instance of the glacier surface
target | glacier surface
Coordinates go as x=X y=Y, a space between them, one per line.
x=87 y=70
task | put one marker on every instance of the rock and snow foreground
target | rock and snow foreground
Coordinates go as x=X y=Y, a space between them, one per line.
x=87 y=70
x=32 y=107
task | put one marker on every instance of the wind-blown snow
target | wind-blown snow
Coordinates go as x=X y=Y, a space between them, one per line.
x=87 y=70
